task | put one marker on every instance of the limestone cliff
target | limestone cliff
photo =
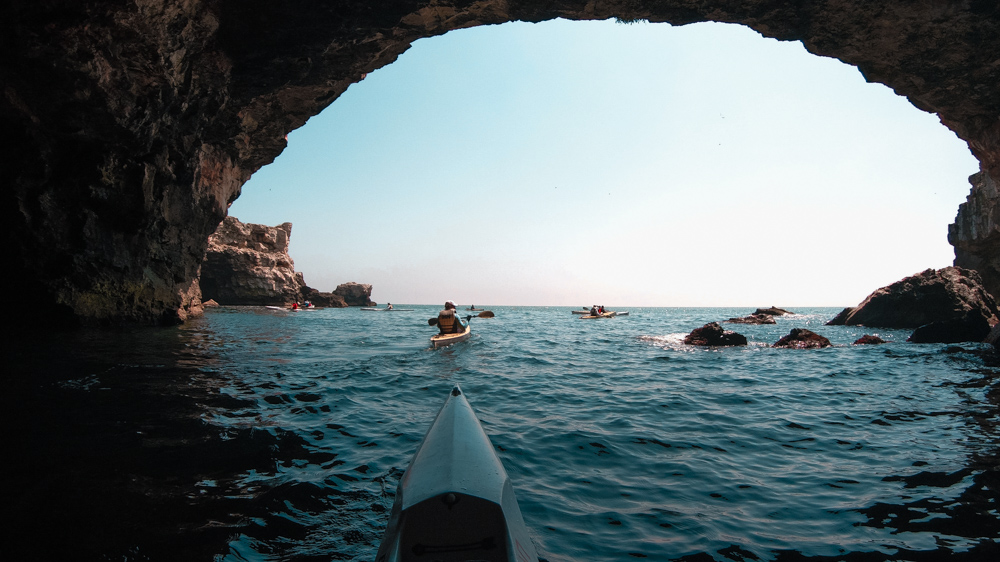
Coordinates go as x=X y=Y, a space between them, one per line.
x=249 y=264
x=131 y=126
x=975 y=233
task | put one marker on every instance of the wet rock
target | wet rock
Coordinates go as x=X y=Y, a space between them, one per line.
x=868 y=339
x=753 y=319
x=968 y=329
x=712 y=334
x=772 y=311
x=952 y=294
x=210 y=304
x=842 y=316
x=800 y=338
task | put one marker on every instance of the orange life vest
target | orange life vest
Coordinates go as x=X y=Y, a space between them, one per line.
x=446 y=321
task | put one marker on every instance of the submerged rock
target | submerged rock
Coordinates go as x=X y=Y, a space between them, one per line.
x=712 y=334
x=952 y=294
x=800 y=338
x=754 y=318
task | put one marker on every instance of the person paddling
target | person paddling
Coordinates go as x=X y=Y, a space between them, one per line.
x=388 y=306
x=448 y=321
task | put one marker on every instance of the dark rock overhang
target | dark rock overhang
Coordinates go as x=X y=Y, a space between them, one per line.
x=133 y=124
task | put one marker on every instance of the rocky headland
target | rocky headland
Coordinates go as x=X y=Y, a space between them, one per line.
x=947 y=305
x=131 y=126
x=249 y=264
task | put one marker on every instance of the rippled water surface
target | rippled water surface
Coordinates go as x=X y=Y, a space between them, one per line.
x=255 y=434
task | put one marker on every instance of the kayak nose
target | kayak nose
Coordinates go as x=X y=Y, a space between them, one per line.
x=456 y=391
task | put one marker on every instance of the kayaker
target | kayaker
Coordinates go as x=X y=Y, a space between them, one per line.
x=388 y=306
x=448 y=321
x=594 y=311
x=295 y=306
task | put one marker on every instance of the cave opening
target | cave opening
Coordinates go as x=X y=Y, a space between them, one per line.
x=559 y=162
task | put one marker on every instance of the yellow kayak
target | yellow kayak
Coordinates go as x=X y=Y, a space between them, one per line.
x=605 y=315
x=442 y=340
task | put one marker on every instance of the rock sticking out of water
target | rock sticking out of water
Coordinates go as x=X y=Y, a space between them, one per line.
x=713 y=334
x=800 y=338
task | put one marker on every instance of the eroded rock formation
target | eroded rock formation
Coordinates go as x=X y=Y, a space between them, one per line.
x=131 y=126
x=249 y=264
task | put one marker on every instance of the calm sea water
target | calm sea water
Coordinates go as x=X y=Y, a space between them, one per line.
x=254 y=434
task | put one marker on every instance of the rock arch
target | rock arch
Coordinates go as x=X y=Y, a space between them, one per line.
x=135 y=123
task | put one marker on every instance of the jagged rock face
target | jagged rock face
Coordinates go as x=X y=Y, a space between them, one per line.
x=976 y=232
x=949 y=295
x=135 y=123
x=355 y=294
x=249 y=264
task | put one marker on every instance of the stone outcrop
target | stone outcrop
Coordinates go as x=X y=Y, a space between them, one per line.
x=249 y=264
x=755 y=318
x=975 y=234
x=967 y=329
x=773 y=311
x=951 y=294
x=800 y=338
x=712 y=334
x=130 y=126
x=355 y=294
x=868 y=339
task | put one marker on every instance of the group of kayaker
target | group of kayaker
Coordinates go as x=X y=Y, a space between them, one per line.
x=597 y=310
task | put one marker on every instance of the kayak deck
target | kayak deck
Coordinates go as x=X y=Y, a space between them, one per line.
x=455 y=501
x=441 y=340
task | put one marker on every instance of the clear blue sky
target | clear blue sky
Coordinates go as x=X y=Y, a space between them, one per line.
x=573 y=163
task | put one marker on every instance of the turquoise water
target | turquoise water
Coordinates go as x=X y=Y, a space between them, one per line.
x=255 y=434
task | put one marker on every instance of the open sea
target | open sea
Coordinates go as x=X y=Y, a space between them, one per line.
x=254 y=434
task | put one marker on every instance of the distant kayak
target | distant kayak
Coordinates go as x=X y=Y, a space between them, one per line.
x=475 y=309
x=605 y=315
x=370 y=309
x=442 y=340
x=455 y=500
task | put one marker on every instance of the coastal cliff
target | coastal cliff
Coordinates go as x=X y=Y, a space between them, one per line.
x=249 y=264
x=975 y=234
x=131 y=126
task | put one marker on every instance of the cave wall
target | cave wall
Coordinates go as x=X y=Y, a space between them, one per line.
x=134 y=123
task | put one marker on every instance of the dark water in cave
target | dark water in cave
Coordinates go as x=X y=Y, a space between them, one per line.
x=255 y=434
